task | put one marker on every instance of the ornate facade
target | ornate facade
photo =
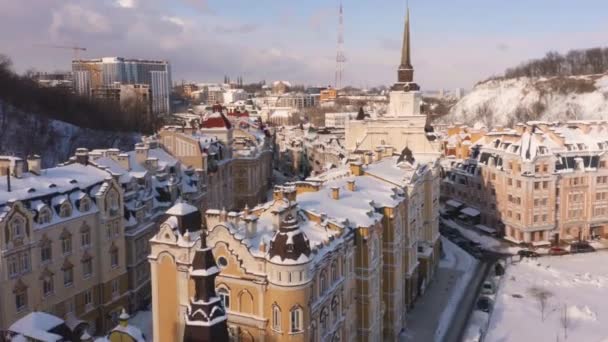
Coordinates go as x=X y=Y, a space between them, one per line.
x=62 y=244
x=336 y=258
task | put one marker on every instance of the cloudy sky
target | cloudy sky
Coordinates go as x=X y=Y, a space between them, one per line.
x=455 y=43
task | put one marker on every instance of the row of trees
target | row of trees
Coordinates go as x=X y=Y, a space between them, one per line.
x=575 y=62
x=60 y=104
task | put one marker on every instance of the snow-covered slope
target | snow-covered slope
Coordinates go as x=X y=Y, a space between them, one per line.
x=505 y=102
x=55 y=141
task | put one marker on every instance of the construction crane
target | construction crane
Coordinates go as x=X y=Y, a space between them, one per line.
x=76 y=49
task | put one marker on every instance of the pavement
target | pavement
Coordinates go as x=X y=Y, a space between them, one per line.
x=423 y=320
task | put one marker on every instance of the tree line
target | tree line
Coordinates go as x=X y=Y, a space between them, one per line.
x=573 y=63
x=61 y=104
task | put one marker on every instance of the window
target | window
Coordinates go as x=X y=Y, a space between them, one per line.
x=46 y=252
x=544 y=217
x=25 y=262
x=324 y=322
x=85 y=205
x=66 y=244
x=44 y=216
x=222 y=262
x=114 y=257
x=519 y=184
x=115 y=287
x=545 y=167
x=545 y=185
x=65 y=210
x=13 y=266
x=225 y=297
x=276 y=318
x=535 y=218
x=17 y=227
x=87 y=268
x=68 y=276
x=88 y=298
x=536 y=185
x=85 y=238
x=510 y=181
x=47 y=286
x=296 y=320
x=322 y=283
x=334 y=272
x=536 y=168
x=21 y=300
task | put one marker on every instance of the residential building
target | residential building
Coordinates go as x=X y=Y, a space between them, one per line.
x=90 y=74
x=339 y=257
x=338 y=120
x=280 y=87
x=296 y=100
x=538 y=182
x=459 y=139
x=62 y=243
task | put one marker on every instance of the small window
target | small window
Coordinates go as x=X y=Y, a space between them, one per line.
x=87 y=268
x=114 y=257
x=68 y=277
x=88 y=298
x=276 y=318
x=85 y=238
x=46 y=252
x=115 y=287
x=296 y=320
x=21 y=300
x=66 y=245
x=47 y=286
x=222 y=261
x=225 y=297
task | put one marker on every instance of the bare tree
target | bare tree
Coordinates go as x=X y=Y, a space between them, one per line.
x=542 y=296
x=565 y=320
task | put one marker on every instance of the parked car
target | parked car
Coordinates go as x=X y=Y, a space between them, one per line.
x=527 y=254
x=484 y=304
x=488 y=288
x=581 y=247
x=557 y=251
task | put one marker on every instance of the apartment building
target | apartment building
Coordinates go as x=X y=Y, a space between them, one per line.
x=337 y=258
x=538 y=182
x=296 y=100
x=62 y=243
x=91 y=74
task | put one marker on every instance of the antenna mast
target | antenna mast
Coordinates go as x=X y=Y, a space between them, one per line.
x=340 y=58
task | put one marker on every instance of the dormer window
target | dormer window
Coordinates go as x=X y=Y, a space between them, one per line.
x=85 y=205
x=44 y=216
x=65 y=210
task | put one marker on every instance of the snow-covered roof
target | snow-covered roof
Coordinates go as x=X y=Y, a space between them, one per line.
x=181 y=209
x=58 y=179
x=36 y=325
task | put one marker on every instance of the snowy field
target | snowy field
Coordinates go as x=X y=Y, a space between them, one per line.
x=576 y=292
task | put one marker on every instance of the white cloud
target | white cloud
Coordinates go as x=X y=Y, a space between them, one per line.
x=74 y=18
x=126 y=3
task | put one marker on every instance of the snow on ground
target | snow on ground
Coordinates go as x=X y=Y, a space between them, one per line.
x=455 y=258
x=577 y=282
x=504 y=98
x=143 y=320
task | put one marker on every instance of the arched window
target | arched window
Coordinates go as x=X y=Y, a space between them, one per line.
x=44 y=216
x=65 y=210
x=334 y=272
x=313 y=331
x=335 y=308
x=18 y=227
x=85 y=204
x=296 y=319
x=276 y=317
x=324 y=322
x=322 y=283
x=224 y=296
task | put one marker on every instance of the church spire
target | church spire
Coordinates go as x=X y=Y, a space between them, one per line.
x=405 y=73
x=406 y=61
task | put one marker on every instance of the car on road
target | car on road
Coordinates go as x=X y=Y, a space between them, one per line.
x=527 y=254
x=484 y=304
x=581 y=247
x=557 y=251
x=488 y=288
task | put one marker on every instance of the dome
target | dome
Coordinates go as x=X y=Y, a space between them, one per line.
x=289 y=243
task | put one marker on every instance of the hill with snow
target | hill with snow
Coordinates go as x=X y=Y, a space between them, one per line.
x=23 y=133
x=508 y=101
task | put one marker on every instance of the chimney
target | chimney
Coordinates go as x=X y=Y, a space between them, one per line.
x=18 y=168
x=34 y=164
x=356 y=169
x=123 y=160
x=389 y=151
x=252 y=226
x=152 y=163
x=141 y=153
x=262 y=247
x=8 y=179
x=82 y=156
x=378 y=155
x=335 y=192
x=367 y=158
x=351 y=185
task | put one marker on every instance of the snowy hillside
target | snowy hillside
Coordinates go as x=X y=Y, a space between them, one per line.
x=508 y=101
x=55 y=141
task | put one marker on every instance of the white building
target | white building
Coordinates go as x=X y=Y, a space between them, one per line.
x=161 y=90
x=338 y=120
